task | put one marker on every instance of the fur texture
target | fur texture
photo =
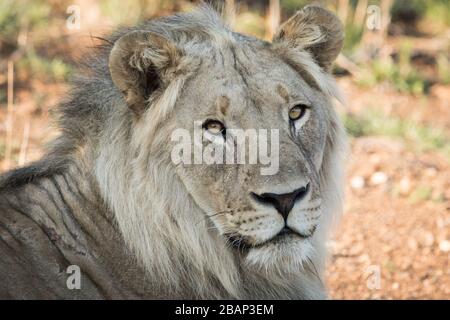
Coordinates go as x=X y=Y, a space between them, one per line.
x=171 y=224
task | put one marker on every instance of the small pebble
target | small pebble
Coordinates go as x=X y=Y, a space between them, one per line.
x=378 y=178
x=427 y=239
x=444 y=246
x=405 y=186
x=357 y=182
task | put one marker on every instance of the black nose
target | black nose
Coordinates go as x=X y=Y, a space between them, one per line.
x=282 y=202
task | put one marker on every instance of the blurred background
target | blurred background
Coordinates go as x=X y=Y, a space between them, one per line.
x=394 y=239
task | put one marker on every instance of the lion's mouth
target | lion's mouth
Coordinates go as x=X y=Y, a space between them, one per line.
x=286 y=234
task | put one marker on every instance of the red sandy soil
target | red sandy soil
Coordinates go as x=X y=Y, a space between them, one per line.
x=386 y=231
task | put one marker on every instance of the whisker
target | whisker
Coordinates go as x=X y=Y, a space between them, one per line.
x=314 y=272
x=213 y=215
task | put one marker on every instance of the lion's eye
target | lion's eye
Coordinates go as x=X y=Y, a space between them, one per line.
x=214 y=127
x=297 y=111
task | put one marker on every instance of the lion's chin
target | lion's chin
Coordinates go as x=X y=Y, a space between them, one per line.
x=286 y=254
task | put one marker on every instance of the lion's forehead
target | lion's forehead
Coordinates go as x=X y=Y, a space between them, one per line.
x=244 y=78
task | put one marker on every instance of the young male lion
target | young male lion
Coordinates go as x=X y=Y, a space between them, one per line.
x=107 y=213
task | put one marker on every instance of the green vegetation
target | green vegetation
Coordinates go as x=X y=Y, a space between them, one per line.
x=353 y=35
x=25 y=26
x=411 y=9
x=401 y=73
x=438 y=11
x=46 y=69
x=443 y=66
x=421 y=193
x=250 y=23
x=18 y=14
x=403 y=77
x=291 y=6
x=416 y=136
x=435 y=11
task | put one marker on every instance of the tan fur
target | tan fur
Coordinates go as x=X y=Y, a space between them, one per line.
x=175 y=220
x=205 y=250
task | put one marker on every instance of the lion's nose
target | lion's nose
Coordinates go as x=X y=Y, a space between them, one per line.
x=282 y=202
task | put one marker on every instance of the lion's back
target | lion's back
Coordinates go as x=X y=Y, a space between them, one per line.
x=34 y=254
x=28 y=255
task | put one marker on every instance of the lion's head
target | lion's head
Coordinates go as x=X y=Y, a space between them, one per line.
x=191 y=72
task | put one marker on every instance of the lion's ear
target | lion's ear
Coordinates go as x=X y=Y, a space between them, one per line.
x=315 y=30
x=139 y=64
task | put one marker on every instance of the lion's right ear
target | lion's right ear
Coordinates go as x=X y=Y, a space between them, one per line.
x=140 y=63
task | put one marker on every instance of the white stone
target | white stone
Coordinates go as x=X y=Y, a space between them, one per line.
x=405 y=186
x=357 y=182
x=444 y=246
x=378 y=178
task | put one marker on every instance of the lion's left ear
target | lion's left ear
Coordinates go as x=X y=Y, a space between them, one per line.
x=315 y=30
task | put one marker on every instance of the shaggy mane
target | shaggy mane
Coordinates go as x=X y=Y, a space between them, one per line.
x=149 y=201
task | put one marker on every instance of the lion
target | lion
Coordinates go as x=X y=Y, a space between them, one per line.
x=107 y=214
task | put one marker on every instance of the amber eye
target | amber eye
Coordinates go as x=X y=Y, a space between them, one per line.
x=297 y=111
x=214 y=127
